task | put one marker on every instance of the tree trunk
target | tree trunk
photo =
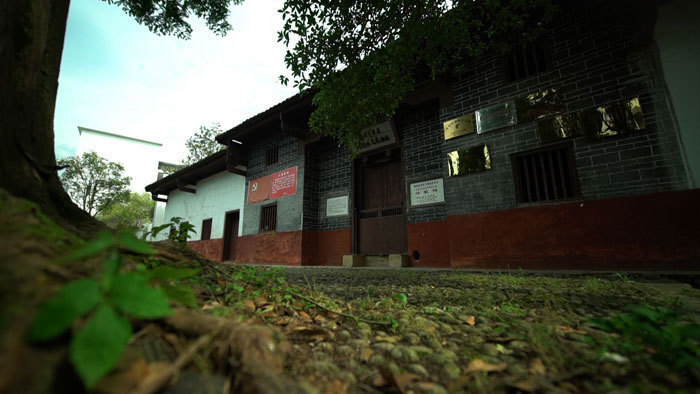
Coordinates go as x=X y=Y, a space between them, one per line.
x=31 y=44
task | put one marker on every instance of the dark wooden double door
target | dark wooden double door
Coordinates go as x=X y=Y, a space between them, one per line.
x=381 y=213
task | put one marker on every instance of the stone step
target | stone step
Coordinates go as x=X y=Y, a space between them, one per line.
x=390 y=261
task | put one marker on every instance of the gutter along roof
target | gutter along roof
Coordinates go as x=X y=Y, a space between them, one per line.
x=189 y=175
x=270 y=120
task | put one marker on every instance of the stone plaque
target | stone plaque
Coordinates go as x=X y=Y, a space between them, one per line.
x=459 y=126
x=427 y=192
x=377 y=136
x=496 y=117
x=337 y=206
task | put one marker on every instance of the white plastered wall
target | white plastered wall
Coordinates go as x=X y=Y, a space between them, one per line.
x=215 y=196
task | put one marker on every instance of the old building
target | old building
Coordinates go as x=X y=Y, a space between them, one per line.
x=578 y=151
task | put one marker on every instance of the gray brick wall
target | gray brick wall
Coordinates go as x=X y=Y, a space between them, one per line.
x=596 y=59
x=289 y=208
x=332 y=172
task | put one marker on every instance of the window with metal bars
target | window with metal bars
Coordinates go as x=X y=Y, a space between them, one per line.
x=524 y=62
x=206 y=229
x=545 y=174
x=268 y=218
x=272 y=155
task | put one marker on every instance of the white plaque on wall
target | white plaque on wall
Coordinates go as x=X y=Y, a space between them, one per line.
x=337 y=206
x=427 y=192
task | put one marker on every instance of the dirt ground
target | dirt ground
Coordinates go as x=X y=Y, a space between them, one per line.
x=333 y=330
x=456 y=331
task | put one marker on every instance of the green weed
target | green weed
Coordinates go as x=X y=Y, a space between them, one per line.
x=105 y=304
x=656 y=332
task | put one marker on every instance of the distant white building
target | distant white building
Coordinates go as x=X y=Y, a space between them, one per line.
x=139 y=157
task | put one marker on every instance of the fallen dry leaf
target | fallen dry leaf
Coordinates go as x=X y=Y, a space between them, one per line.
x=570 y=330
x=283 y=321
x=319 y=319
x=530 y=384
x=249 y=306
x=471 y=320
x=537 y=367
x=390 y=339
x=211 y=305
x=498 y=339
x=261 y=301
x=399 y=382
x=478 y=365
x=365 y=354
x=305 y=317
x=316 y=333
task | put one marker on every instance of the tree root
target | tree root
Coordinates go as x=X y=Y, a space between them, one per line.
x=255 y=353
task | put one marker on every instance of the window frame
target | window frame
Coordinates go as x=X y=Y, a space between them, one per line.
x=567 y=147
x=208 y=233
x=529 y=48
x=262 y=211
x=272 y=154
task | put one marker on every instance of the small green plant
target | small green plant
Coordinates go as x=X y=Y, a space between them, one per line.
x=179 y=230
x=402 y=298
x=104 y=304
x=656 y=330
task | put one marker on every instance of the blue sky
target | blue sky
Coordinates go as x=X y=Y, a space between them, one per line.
x=117 y=76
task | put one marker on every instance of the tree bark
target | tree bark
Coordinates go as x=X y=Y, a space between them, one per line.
x=31 y=44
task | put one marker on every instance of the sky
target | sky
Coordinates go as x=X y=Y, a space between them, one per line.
x=117 y=76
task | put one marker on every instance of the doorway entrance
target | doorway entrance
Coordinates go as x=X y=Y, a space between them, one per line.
x=230 y=235
x=380 y=201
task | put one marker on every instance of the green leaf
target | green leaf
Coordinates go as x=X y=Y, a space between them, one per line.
x=111 y=267
x=71 y=302
x=99 y=345
x=402 y=298
x=104 y=241
x=129 y=242
x=165 y=272
x=181 y=294
x=131 y=294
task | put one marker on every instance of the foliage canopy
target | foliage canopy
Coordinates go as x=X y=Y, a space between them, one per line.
x=363 y=57
x=130 y=214
x=93 y=182
x=202 y=143
x=170 y=17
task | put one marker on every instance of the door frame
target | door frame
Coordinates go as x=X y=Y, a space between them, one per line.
x=356 y=192
x=226 y=247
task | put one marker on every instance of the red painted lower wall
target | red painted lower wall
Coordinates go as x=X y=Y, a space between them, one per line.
x=652 y=232
x=270 y=248
x=326 y=247
x=211 y=249
x=432 y=242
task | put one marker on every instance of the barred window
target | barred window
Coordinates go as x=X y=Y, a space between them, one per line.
x=545 y=174
x=206 y=229
x=268 y=218
x=272 y=155
x=525 y=62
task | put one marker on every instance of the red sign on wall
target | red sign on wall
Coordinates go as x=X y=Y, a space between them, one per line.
x=259 y=189
x=283 y=183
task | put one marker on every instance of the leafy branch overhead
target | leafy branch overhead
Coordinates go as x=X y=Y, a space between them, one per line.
x=170 y=17
x=363 y=57
x=202 y=143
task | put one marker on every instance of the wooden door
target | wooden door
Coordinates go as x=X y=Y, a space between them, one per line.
x=230 y=236
x=382 y=214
